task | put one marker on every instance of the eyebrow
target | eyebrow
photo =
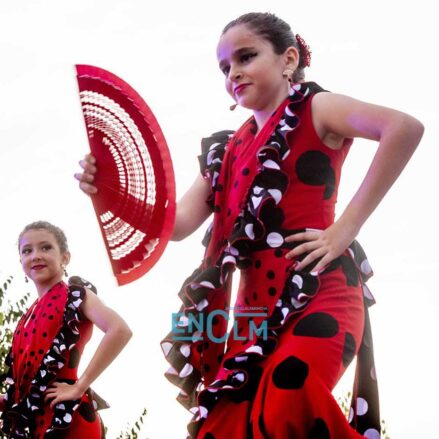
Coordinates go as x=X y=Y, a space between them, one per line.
x=237 y=53
x=38 y=243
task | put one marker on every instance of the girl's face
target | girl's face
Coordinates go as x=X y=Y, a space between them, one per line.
x=253 y=71
x=41 y=258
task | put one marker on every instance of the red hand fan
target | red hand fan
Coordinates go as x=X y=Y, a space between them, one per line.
x=135 y=202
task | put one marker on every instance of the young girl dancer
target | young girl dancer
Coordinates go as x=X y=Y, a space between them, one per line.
x=272 y=188
x=45 y=397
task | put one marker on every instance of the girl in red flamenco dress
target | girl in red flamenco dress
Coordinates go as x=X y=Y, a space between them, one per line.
x=301 y=313
x=45 y=396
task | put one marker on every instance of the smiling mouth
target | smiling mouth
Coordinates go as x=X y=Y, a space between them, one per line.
x=239 y=88
x=38 y=267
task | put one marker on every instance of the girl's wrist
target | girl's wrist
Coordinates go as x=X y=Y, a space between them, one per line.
x=81 y=385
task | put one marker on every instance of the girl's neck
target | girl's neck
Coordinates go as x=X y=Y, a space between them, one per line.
x=43 y=288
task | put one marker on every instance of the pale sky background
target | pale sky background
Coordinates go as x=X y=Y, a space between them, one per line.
x=379 y=51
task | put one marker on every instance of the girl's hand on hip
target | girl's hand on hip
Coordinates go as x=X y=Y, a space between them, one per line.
x=59 y=392
x=86 y=178
x=321 y=245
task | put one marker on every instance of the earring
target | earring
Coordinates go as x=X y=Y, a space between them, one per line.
x=288 y=74
x=65 y=271
x=232 y=107
x=26 y=279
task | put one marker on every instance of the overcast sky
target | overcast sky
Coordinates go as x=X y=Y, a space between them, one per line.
x=381 y=52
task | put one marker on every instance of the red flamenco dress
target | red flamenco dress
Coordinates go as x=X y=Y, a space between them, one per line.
x=47 y=346
x=275 y=383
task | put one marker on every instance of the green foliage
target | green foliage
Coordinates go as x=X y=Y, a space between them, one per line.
x=133 y=431
x=345 y=403
x=10 y=313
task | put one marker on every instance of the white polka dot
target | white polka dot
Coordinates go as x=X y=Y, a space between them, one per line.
x=249 y=231
x=193 y=410
x=285 y=311
x=274 y=239
x=365 y=267
x=202 y=305
x=270 y=164
x=371 y=433
x=206 y=284
x=67 y=418
x=256 y=201
x=183 y=321
x=298 y=281
x=240 y=377
x=203 y=411
x=172 y=371
x=229 y=259
x=276 y=194
x=186 y=371
x=241 y=359
x=166 y=347
x=351 y=415
x=257 y=190
x=254 y=349
x=362 y=406
x=367 y=293
x=233 y=251
x=296 y=303
x=185 y=350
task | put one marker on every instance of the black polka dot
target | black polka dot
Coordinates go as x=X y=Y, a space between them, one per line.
x=272 y=291
x=74 y=358
x=314 y=168
x=229 y=211
x=278 y=253
x=319 y=430
x=270 y=274
x=348 y=349
x=208 y=436
x=86 y=410
x=258 y=264
x=206 y=368
x=318 y=324
x=217 y=208
x=255 y=295
x=51 y=317
x=200 y=348
x=44 y=334
x=40 y=351
x=291 y=373
x=245 y=171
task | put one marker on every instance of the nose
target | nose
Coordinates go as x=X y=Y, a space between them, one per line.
x=36 y=255
x=234 y=74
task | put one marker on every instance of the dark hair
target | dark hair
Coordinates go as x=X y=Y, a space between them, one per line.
x=54 y=230
x=277 y=32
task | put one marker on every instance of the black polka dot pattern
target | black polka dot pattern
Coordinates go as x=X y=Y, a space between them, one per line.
x=291 y=373
x=318 y=324
x=52 y=362
x=314 y=168
x=257 y=227
x=349 y=349
x=319 y=430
